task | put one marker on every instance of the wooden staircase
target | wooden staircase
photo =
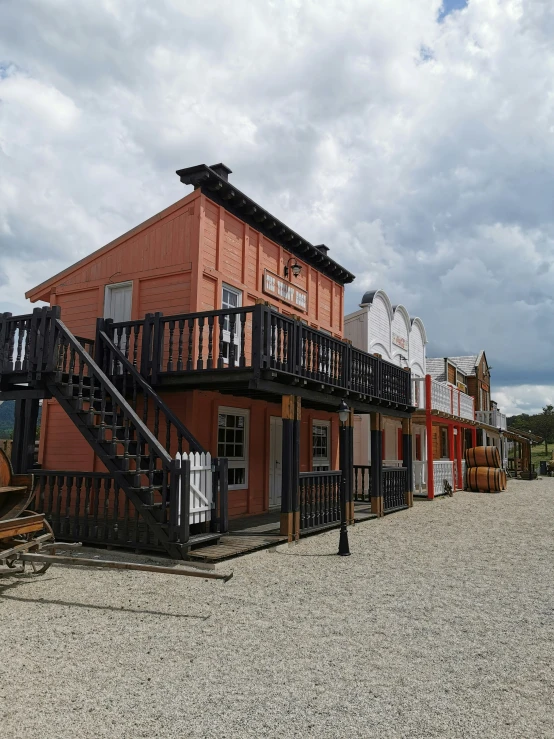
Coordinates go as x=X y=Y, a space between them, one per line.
x=117 y=412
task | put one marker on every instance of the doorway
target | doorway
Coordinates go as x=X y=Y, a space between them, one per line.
x=117 y=301
x=275 y=460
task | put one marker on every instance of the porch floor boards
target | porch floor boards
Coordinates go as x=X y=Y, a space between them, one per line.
x=234 y=546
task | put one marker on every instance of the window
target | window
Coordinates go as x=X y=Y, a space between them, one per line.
x=232 y=442
x=231 y=298
x=321 y=443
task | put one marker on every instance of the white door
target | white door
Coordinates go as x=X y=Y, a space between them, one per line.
x=117 y=306
x=117 y=303
x=275 y=460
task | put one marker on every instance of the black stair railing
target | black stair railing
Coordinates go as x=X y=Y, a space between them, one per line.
x=157 y=485
x=168 y=429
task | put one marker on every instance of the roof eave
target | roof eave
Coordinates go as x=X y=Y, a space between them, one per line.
x=236 y=202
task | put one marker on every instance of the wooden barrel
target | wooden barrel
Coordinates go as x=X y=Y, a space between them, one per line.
x=16 y=491
x=484 y=479
x=503 y=479
x=483 y=456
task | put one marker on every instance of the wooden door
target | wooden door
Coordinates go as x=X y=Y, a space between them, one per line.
x=117 y=303
x=275 y=460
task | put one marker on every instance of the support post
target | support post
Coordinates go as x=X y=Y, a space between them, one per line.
x=407 y=460
x=290 y=502
x=452 y=454
x=377 y=506
x=473 y=436
x=24 y=435
x=459 y=455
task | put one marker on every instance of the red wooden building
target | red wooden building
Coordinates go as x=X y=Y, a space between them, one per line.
x=235 y=324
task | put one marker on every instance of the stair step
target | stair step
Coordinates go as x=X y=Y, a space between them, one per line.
x=202 y=540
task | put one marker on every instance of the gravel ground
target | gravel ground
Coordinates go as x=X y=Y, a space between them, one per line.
x=440 y=624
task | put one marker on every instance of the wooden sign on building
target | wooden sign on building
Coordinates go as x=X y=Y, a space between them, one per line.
x=277 y=287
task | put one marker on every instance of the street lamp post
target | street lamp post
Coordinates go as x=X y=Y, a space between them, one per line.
x=344 y=548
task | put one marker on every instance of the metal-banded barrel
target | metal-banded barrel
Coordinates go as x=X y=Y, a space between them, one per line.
x=16 y=491
x=484 y=479
x=483 y=456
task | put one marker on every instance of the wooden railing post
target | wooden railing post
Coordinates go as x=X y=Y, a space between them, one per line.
x=157 y=346
x=146 y=347
x=376 y=464
x=407 y=461
x=24 y=435
x=257 y=339
x=4 y=340
x=98 y=344
x=55 y=313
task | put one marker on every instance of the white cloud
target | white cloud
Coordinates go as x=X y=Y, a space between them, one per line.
x=420 y=152
x=529 y=399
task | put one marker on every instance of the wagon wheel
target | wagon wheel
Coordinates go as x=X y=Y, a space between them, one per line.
x=30 y=569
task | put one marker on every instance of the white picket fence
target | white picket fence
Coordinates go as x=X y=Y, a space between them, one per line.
x=442 y=470
x=201 y=494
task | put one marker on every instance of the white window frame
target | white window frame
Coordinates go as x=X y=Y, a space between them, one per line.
x=318 y=463
x=226 y=332
x=112 y=286
x=235 y=462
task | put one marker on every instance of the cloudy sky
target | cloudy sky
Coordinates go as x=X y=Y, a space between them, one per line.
x=416 y=139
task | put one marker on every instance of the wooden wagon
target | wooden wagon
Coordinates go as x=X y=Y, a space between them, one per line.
x=27 y=544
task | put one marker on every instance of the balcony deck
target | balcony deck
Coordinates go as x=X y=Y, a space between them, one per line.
x=494 y=419
x=253 y=352
x=259 y=353
x=441 y=399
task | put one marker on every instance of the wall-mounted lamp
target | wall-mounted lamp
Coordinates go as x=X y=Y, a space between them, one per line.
x=294 y=268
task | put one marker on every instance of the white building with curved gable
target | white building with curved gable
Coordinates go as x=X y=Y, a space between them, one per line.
x=388 y=331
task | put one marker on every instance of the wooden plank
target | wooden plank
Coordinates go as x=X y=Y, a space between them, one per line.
x=23 y=526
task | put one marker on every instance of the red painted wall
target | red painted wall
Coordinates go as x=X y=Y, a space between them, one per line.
x=178 y=261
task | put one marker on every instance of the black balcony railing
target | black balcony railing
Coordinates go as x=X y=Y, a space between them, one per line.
x=259 y=339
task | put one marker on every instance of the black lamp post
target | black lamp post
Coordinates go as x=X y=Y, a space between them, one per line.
x=344 y=549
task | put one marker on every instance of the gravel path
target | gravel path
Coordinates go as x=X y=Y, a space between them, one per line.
x=441 y=624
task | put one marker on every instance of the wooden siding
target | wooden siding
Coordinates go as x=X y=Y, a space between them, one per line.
x=232 y=252
x=451 y=374
x=177 y=262
x=80 y=310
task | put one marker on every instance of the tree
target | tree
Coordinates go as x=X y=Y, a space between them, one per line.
x=544 y=425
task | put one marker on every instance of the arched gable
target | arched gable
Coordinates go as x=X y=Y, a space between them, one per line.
x=418 y=340
x=380 y=317
x=400 y=338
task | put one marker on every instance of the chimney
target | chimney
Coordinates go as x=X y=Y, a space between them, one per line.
x=322 y=248
x=222 y=170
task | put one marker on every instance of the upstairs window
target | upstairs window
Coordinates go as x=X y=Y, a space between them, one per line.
x=231 y=298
